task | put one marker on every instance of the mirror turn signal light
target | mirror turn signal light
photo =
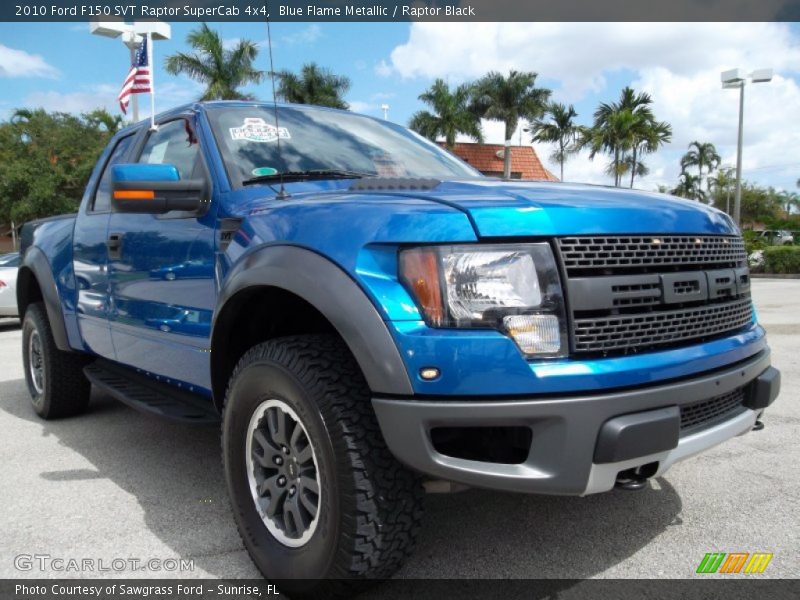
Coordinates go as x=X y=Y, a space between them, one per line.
x=134 y=195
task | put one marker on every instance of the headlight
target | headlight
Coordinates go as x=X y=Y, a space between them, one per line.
x=511 y=287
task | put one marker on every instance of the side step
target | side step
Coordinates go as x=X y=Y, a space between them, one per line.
x=152 y=397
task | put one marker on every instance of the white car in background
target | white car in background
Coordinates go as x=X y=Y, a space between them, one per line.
x=8 y=284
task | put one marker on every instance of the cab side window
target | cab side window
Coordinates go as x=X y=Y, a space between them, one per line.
x=102 y=195
x=173 y=144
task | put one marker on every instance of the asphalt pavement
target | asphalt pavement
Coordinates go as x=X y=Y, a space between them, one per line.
x=116 y=484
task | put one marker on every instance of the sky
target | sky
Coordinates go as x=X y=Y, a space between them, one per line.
x=60 y=66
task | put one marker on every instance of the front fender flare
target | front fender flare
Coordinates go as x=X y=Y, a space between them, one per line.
x=335 y=295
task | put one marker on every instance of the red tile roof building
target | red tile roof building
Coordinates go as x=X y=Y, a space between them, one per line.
x=488 y=159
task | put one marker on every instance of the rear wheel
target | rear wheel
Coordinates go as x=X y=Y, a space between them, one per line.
x=321 y=504
x=55 y=378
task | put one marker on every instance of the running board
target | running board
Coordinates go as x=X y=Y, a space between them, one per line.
x=150 y=396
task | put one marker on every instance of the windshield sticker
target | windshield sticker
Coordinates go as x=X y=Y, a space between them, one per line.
x=258 y=130
x=263 y=172
x=386 y=166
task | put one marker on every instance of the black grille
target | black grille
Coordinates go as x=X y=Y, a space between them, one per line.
x=620 y=333
x=620 y=253
x=700 y=415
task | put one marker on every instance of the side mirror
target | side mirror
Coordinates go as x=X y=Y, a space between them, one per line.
x=155 y=189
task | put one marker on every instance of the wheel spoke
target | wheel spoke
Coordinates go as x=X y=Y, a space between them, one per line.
x=309 y=504
x=310 y=484
x=297 y=433
x=305 y=455
x=270 y=504
x=292 y=508
x=263 y=441
x=276 y=419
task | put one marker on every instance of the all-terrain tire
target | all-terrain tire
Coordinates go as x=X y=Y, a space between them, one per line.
x=62 y=390
x=370 y=506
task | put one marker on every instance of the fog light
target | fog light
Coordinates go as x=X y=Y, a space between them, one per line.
x=535 y=334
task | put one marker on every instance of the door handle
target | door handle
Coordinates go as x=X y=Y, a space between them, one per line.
x=114 y=245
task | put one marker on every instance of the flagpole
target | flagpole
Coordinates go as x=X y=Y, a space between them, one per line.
x=152 y=81
x=134 y=99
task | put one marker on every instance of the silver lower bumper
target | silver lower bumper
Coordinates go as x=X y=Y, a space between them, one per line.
x=603 y=477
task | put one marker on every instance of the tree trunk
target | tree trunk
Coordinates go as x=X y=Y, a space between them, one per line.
x=700 y=178
x=561 y=143
x=633 y=168
x=507 y=154
x=616 y=167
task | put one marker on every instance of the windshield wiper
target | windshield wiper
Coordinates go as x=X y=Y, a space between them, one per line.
x=307 y=175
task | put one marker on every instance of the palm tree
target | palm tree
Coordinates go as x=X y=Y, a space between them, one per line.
x=313 y=85
x=223 y=71
x=101 y=117
x=635 y=166
x=689 y=187
x=721 y=184
x=626 y=130
x=789 y=200
x=559 y=129
x=451 y=114
x=611 y=133
x=509 y=99
x=703 y=156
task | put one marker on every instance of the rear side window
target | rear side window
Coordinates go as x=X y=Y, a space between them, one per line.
x=102 y=196
x=173 y=144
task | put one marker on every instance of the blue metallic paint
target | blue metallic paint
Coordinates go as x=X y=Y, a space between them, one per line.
x=145 y=172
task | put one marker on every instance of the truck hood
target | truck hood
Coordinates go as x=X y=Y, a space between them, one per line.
x=508 y=209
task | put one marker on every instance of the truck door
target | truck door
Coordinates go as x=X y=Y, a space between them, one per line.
x=90 y=259
x=162 y=271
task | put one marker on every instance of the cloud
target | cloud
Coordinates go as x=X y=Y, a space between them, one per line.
x=104 y=95
x=359 y=106
x=73 y=102
x=308 y=35
x=581 y=55
x=18 y=63
x=678 y=63
x=384 y=69
x=230 y=43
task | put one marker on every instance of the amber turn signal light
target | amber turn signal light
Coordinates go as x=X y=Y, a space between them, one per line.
x=420 y=271
x=134 y=195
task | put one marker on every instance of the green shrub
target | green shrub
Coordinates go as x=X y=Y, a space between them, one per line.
x=782 y=259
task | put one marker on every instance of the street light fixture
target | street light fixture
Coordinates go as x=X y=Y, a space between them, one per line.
x=732 y=79
x=385 y=109
x=131 y=34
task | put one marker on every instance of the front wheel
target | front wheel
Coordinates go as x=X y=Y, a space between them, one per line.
x=321 y=504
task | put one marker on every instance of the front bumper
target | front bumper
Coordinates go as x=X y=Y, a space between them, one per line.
x=579 y=444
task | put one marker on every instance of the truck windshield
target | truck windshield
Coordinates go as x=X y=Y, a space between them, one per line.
x=319 y=140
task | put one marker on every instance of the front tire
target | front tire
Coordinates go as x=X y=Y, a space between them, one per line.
x=55 y=378
x=321 y=504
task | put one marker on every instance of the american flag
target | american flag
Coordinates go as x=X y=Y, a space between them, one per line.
x=138 y=80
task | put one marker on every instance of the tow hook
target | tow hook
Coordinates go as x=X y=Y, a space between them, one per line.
x=758 y=426
x=636 y=478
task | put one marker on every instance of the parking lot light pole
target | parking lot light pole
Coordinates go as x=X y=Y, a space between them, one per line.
x=732 y=79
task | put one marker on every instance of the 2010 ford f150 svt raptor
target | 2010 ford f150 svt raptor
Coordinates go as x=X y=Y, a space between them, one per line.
x=366 y=312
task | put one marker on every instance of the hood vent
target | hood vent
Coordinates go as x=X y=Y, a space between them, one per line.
x=393 y=184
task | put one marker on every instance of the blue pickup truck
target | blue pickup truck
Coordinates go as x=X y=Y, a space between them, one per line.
x=369 y=317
